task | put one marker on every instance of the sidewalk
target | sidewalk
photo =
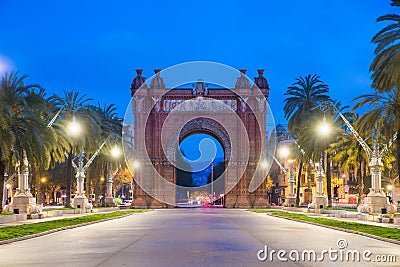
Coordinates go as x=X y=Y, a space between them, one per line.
x=64 y=216
x=355 y=220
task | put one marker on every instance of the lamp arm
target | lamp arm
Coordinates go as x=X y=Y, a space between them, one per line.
x=351 y=128
x=280 y=165
x=54 y=118
x=99 y=149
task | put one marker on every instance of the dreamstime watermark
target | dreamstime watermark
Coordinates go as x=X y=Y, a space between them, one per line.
x=339 y=254
x=197 y=111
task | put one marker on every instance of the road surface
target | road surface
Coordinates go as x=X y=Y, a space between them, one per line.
x=193 y=237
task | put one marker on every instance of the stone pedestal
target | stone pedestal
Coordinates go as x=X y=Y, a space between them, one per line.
x=376 y=199
x=319 y=202
x=23 y=201
x=23 y=204
x=81 y=202
x=109 y=202
x=290 y=201
x=375 y=202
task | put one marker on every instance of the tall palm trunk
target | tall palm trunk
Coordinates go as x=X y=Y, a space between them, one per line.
x=2 y=170
x=328 y=180
x=360 y=178
x=69 y=179
x=398 y=149
x=299 y=182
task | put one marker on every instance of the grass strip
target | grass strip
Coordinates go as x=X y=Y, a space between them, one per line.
x=380 y=231
x=9 y=232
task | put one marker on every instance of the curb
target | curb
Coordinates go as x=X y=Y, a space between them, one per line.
x=396 y=242
x=12 y=240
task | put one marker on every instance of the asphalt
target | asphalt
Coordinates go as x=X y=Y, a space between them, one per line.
x=190 y=237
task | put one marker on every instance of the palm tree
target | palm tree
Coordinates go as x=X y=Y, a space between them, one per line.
x=385 y=67
x=383 y=109
x=349 y=155
x=109 y=124
x=302 y=97
x=76 y=106
x=23 y=129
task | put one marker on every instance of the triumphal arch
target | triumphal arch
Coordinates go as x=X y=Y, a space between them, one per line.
x=236 y=117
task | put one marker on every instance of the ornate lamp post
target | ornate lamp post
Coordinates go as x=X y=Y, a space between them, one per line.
x=80 y=200
x=290 y=200
x=23 y=201
x=376 y=199
x=320 y=201
x=109 y=199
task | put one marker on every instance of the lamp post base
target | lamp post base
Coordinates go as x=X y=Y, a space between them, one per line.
x=290 y=202
x=319 y=202
x=375 y=202
x=81 y=202
x=109 y=202
x=23 y=204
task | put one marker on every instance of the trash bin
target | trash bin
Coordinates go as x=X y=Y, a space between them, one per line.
x=16 y=211
x=384 y=211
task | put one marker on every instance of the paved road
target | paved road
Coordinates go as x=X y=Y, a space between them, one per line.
x=187 y=237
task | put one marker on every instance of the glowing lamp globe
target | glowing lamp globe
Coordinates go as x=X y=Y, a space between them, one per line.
x=74 y=128
x=115 y=152
x=136 y=164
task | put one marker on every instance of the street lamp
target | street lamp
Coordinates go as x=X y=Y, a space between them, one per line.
x=80 y=200
x=115 y=151
x=284 y=153
x=109 y=200
x=324 y=127
x=136 y=164
x=74 y=128
x=264 y=164
x=376 y=199
x=320 y=200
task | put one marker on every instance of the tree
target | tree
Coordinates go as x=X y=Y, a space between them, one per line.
x=385 y=67
x=76 y=106
x=380 y=118
x=348 y=153
x=302 y=97
x=23 y=129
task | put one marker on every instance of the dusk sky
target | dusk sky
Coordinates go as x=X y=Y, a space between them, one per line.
x=95 y=46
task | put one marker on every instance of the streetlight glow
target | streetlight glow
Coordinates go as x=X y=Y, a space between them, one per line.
x=389 y=187
x=115 y=152
x=43 y=180
x=264 y=164
x=74 y=128
x=324 y=128
x=8 y=186
x=136 y=164
x=284 y=152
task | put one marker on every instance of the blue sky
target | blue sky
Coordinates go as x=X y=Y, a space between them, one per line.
x=94 y=46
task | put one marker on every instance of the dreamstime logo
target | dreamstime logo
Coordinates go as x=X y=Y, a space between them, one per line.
x=341 y=254
x=198 y=113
